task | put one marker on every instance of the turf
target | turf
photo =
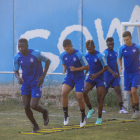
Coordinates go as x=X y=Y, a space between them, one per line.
x=13 y=120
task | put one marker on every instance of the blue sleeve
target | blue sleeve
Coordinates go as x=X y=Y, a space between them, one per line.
x=61 y=57
x=138 y=46
x=40 y=56
x=82 y=59
x=120 y=52
x=102 y=59
x=16 y=64
x=105 y=54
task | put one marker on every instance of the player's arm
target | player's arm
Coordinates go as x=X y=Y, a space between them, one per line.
x=120 y=64
x=113 y=73
x=84 y=63
x=79 y=68
x=16 y=69
x=104 y=64
x=93 y=76
x=17 y=75
x=64 y=68
x=41 y=78
x=43 y=58
x=117 y=70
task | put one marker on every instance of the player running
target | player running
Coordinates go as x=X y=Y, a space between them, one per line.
x=31 y=80
x=112 y=76
x=97 y=66
x=75 y=63
x=130 y=53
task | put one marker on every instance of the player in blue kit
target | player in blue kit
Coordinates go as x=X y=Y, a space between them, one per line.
x=75 y=63
x=31 y=80
x=130 y=53
x=112 y=76
x=97 y=67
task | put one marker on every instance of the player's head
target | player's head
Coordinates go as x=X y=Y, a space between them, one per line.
x=67 y=45
x=90 y=46
x=127 y=38
x=110 y=43
x=23 y=46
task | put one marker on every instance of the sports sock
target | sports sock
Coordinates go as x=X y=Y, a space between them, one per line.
x=65 y=109
x=133 y=107
x=83 y=114
x=121 y=105
x=89 y=106
x=99 y=115
x=137 y=106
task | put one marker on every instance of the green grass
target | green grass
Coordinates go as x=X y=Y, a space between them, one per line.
x=13 y=120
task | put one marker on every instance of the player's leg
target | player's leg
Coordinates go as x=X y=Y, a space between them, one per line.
x=26 y=102
x=135 y=96
x=131 y=100
x=65 y=91
x=136 y=102
x=88 y=87
x=35 y=97
x=104 y=94
x=119 y=97
x=81 y=103
x=100 y=91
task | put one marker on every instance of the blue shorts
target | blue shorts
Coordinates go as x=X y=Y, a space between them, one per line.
x=111 y=81
x=79 y=84
x=35 y=91
x=131 y=80
x=97 y=82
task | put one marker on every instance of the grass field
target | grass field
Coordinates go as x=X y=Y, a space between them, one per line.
x=13 y=120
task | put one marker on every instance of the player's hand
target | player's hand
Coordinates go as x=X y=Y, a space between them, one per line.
x=93 y=76
x=85 y=73
x=115 y=75
x=20 y=81
x=121 y=70
x=119 y=78
x=41 y=80
x=72 y=68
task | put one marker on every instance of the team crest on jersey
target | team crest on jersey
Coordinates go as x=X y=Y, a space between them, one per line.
x=31 y=59
x=95 y=59
x=110 y=55
x=66 y=58
x=87 y=58
x=116 y=54
x=134 y=50
x=21 y=62
x=74 y=58
x=125 y=51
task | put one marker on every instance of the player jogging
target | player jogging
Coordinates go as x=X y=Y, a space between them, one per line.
x=130 y=53
x=74 y=62
x=31 y=80
x=112 y=76
x=97 y=66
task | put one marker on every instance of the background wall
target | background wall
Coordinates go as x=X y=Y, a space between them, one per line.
x=46 y=23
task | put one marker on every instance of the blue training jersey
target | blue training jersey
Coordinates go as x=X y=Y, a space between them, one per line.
x=111 y=59
x=96 y=63
x=76 y=59
x=31 y=65
x=131 y=57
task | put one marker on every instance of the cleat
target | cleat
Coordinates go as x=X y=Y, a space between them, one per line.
x=135 y=115
x=46 y=116
x=122 y=111
x=99 y=121
x=103 y=111
x=35 y=128
x=90 y=112
x=66 y=120
x=82 y=124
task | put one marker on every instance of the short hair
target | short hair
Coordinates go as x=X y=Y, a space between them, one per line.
x=126 y=33
x=66 y=42
x=90 y=42
x=109 y=39
x=23 y=40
